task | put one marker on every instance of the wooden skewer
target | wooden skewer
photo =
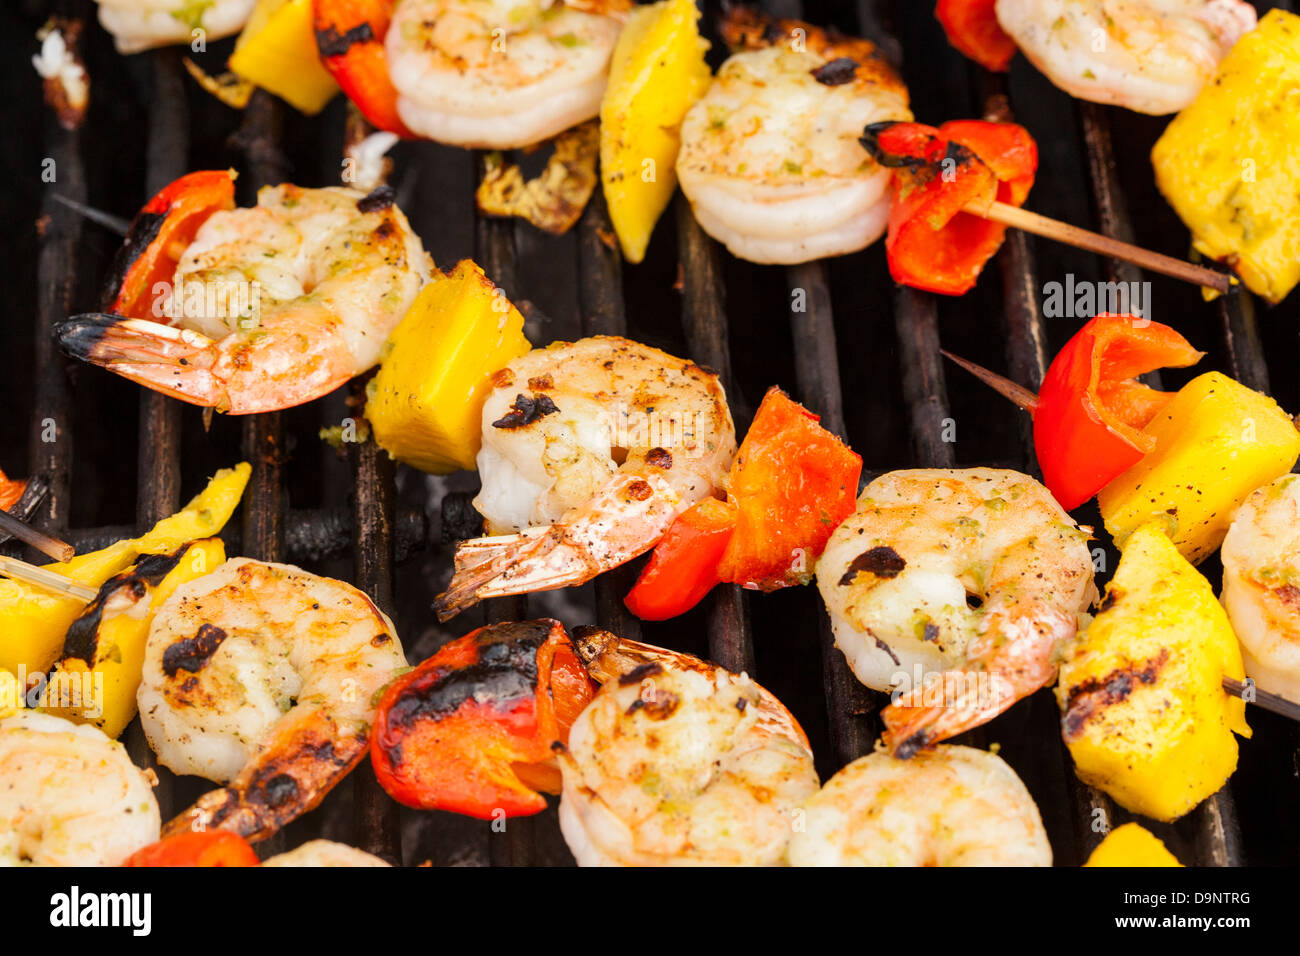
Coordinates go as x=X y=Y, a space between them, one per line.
x=42 y=542
x=1028 y=221
x=1262 y=698
x=1000 y=384
x=30 y=573
x=106 y=219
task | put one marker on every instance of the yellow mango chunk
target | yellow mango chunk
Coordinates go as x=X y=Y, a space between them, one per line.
x=33 y=620
x=277 y=51
x=10 y=694
x=426 y=401
x=1228 y=164
x=1146 y=717
x=656 y=75
x=1216 y=442
x=1131 y=845
x=103 y=653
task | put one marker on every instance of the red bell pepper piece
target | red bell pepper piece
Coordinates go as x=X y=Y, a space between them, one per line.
x=932 y=243
x=972 y=27
x=196 y=848
x=11 y=491
x=793 y=483
x=1091 y=410
x=350 y=37
x=159 y=235
x=684 y=565
x=471 y=730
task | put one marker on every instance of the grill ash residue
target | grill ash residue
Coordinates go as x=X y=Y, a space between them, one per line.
x=883 y=562
x=82 y=638
x=506 y=670
x=193 y=652
x=525 y=411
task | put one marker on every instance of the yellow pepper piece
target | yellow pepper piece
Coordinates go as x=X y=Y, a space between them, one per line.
x=1131 y=845
x=101 y=690
x=33 y=621
x=1146 y=717
x=1216 y=442
x=656 y=75
x=277 y=51
x=1227 y=163
x=426 y=401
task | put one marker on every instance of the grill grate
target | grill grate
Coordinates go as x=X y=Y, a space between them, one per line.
x=727 y=321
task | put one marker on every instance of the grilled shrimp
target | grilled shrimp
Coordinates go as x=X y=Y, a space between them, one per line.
x=71 y=796
x=770 y=159
x=325 y=853
x=273 y=305
x=141 y=24
x=1261 y=585
x=951 y=806
x=1152 y=56
x=590 y=450
x=954 y=588
x=679 y=762
x=497 y=74
x=262 y=677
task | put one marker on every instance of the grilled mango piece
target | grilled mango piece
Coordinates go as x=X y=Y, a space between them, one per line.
x=655 y=76
x=1146 y=717
x=425 y=403
x=1131 y=845
x=1216 y=442
x=103 y=651
x=277 y=51
x=1227 y=163
x=33 y=621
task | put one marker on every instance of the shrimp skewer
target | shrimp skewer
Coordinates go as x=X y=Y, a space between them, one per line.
x=951 y=806
x=590 y=450
x=142 y=24
x=271 y=306
x=954 y=589
x=1152 y=56
x=679 y=762
x=262 y=677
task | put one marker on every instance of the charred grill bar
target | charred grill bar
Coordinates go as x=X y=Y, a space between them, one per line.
x=380 y=527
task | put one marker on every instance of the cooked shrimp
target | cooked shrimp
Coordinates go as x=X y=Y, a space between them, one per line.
x=1261 y=585
x=679 y=762
x=770 y=159
x=274 y=305
x=262 y=676
x=325 y=853
x=1152 y=56
x=141 y=24
x=590 y=450
x=498 y=74
x=952 y=806
x=71 y=796
x=954 y=588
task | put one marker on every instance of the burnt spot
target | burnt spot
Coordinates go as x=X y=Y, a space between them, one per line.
x=1094 y=695
x=660 y=458
x=929 y=633
x=541 y=383
x=503 y=378
x=836 y=72
x=526 y=410
x=660 y=705
x=379 y=640
x=378 y=199
x=82 y=638
x=742 y=703
x=384 y=229
x=144 y=230
x=913 y=745
x=192 y=653
x=332 y=43
x=886 y=648
x=1288 y=594
x=637 y=674
x=1113 y=594
x=882 y=561
x=279 y=790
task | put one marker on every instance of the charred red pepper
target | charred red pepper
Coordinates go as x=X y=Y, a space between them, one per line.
x=684 y=565
x=471 y=730
x=159 y=235
x=972 y=27
x=350 y=37
x=1091 y=409
x=932 y=243
x=198 y=848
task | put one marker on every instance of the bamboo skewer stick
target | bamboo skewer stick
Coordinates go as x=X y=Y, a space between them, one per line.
x=31 y=574
x=1262 y=698
x=1032 y=222
x=42 y=542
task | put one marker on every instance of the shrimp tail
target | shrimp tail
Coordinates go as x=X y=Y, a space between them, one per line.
x=626 y=518
x=290 y=777
x=174 y=361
